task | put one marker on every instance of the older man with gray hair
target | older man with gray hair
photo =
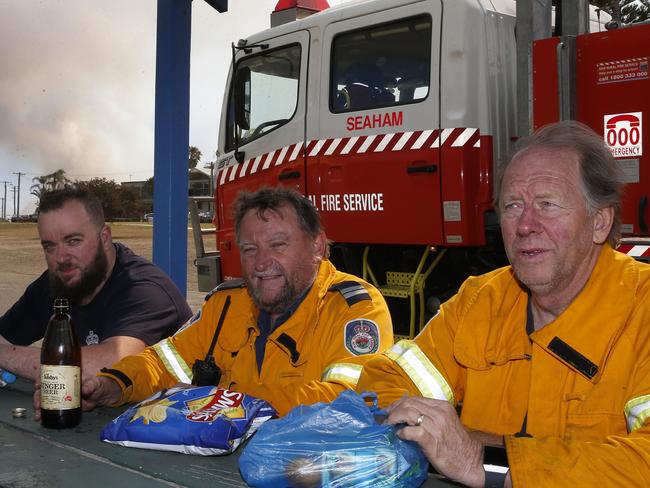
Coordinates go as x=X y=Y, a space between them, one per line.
x=550 y=355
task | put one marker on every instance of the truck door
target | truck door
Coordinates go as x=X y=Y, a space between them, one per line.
x=373 y=161
x=261 y=140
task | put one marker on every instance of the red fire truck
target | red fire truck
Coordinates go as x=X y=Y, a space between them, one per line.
x=390 y=115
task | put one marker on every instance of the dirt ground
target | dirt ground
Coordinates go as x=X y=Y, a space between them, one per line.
x=21 y=257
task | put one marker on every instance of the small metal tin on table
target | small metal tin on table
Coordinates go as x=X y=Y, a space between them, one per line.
x=19 y=412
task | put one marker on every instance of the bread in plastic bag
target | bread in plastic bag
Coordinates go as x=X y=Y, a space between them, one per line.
x=204 y=420
x=338 y=444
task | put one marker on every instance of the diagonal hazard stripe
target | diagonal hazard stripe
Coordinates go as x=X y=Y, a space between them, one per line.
x=374 y=143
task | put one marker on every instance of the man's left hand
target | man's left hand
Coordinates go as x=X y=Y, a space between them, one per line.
x=435 y=426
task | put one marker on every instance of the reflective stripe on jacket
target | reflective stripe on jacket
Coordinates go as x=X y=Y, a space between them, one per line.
x=340 y=317
x=582 y=381
x=425 y=376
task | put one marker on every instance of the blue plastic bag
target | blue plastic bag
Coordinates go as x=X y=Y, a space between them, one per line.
x=6 y=378
x=332 y=445
x=205 y=420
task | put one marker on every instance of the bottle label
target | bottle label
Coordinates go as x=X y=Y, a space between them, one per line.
x=60 y=387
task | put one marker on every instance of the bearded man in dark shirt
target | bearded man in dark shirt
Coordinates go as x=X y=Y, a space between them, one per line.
x=120 y=302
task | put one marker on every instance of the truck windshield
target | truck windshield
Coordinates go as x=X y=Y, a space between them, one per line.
x=271 y=93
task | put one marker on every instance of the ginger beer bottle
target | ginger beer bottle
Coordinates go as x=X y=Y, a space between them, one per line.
x=60 y=371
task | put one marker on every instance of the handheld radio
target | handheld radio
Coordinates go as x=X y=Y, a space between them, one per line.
x=205 y=372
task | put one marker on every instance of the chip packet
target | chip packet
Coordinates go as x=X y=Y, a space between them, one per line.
x=204 y=420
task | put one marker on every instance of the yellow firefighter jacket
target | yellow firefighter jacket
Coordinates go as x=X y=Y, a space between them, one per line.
x=583 y=380
x=313 y=356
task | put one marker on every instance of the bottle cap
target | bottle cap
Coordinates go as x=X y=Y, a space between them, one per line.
x=19 y=412
x=60 y=303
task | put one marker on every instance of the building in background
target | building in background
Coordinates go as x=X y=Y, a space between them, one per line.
x=199 y=186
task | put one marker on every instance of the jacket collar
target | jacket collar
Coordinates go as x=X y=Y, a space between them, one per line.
x=293 y=336
x=594 y=321
x=591 y=325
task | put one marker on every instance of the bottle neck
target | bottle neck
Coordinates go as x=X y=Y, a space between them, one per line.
x=61 y=306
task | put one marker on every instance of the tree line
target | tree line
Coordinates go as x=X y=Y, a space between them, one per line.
x=119 y=202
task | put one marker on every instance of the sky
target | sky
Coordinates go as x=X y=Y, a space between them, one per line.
x=77 y=84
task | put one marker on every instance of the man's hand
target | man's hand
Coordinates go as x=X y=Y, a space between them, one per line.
x=435 y=426
x=99 y=390
x=95 y=391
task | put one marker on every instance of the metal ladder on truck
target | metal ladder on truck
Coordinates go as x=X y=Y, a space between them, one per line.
x=406 y=285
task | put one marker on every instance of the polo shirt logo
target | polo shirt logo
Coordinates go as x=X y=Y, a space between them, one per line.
x=92 y=338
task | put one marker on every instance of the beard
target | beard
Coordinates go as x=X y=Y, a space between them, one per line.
x=91 y=278
x=280 y=302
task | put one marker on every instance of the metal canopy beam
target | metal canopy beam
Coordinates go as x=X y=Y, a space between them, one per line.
x=171 y=138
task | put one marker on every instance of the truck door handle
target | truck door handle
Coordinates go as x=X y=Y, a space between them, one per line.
x=429 y=168
x=289 y=175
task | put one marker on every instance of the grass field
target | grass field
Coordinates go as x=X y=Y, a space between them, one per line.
x=21 y=257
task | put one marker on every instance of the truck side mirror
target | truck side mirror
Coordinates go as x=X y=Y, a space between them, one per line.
x=242 y=97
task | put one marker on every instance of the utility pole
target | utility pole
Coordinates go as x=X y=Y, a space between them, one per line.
x=18 y=205
x=4 y=201
x=211 y=166
x=13 y=189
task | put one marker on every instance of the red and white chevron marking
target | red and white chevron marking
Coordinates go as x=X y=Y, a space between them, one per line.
x=618 y=62
x=635 y=250
x=341 y=146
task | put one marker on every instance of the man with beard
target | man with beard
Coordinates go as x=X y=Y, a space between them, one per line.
x=294 y=330
x=120 y=302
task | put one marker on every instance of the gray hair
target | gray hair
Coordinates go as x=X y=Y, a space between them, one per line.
x=601 y=177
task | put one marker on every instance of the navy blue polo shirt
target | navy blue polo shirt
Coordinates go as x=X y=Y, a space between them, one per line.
x=266 y=328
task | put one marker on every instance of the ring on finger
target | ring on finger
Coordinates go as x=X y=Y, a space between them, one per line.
x=420 y=419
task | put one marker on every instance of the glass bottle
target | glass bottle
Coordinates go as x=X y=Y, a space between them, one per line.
x=60 y=371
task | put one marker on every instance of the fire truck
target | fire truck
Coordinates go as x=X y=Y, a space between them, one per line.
x=390 y=116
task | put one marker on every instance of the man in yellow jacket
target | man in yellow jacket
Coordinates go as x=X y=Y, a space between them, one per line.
x=549 y=356
x=293 y=331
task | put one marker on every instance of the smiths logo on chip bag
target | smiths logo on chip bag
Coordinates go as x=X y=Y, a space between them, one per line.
x=223 y=402
x=204 y=420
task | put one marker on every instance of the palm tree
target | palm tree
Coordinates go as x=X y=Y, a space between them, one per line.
x=58 y=180
x=625 y=11
x=194 y=157
x=45 y=183
x=38 y=186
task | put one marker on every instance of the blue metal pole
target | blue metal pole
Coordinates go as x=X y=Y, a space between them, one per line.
x=171 y=138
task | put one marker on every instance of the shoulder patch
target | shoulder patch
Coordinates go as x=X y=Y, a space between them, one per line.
x=226 y=285
x=361 y=336
x=352 y=291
